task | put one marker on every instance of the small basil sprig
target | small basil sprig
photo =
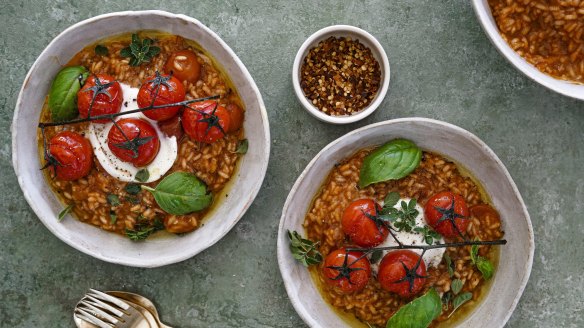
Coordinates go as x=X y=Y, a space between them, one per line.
x=181 y=193
x=394 y=160
x=483 y=264
x=419 y=313
x=63 y=93
x=144 y=228
x=140 y=51
x=304 y=250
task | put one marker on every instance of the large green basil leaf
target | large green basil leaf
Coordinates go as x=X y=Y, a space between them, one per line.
x=181 y=193
x=419 y=313
x=63 y=93
x=394 y=160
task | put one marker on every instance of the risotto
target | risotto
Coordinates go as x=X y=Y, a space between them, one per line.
x=330 y=223
x=129 y=179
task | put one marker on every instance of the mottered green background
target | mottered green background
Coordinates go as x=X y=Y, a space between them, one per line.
x=442 y=67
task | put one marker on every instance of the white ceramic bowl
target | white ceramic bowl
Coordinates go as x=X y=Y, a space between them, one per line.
x=483 y=12
x=96 y=242
x=453 y=142
x=367 y=40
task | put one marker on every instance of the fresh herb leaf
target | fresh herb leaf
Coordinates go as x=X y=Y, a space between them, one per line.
x=101 y=50
x=429 y=235
x=391 y=199
x=143 y=229
x=64 y=212
x=113 y=217
x=132 y=199
x=113 y=200
x=140 y=51
x=376 y=256
x=403 y=219
x=181 y=193
x=446 y=299
x=143 y=175
x=63 y=94
x=456 y=286
x=132 y=188
x=485 y=267
x=304 y=250
x=394 y=160
x=419 y=313
x=449 y=265
x=459 y=301
x=242 y=146
x=474 y=252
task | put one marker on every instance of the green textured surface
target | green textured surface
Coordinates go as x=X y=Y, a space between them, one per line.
x=443 y=67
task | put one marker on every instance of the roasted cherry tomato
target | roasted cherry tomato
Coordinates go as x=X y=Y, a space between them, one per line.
x=235 y=117
x=172 y=128
x=206 y=121
x=161 y=90
x=447 y=213
x=133 y=140
x=396 y=273
x=348 y=272
x=71 y=155
x=108 y=97
x=361 y=223
x=184 y=65
x=482 y=211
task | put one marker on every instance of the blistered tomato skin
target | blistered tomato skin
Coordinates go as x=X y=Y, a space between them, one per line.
x=393 y=277
x=206 y=121
x=184 y=65
x=348 y=272
x=161 y=90
x=73 y=155
x=107 y=101
x=360 y=223
x=134 y=141
x=447 y=213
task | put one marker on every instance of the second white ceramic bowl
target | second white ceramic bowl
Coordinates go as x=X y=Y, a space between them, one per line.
x=446 y=139
x=483 y=12
x=94 y=241
x=367 y=40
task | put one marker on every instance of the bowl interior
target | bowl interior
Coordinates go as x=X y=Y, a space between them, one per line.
x=452 y=142
x=483 y=12
x=112 y=247
x=356 y=34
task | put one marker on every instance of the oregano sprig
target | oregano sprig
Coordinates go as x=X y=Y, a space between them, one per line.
x=140 y=51
x=304 y=250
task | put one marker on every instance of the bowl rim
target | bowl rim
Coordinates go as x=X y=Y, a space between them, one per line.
x=181 y=256
x=563 y=87
x=309 y=42
x=282 y=246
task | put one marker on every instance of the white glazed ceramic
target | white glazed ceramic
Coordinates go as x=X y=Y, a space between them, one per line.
x=342 y=31
x=483 y=12
x=108 y=246
x=453 y=142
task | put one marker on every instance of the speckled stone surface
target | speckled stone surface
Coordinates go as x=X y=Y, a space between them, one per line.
x=443 y=67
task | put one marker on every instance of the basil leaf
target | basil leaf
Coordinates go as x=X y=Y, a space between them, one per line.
x=181 y=193
x=485 y=267
x=64 y=212
x=419 y=313
x=394 y=160
x=474 y=251
x=242 y=146
x=460 y=300
x=376 y=256
x=113 y=217
x=143 y=175
x=391 y=199
x=456 y=286
x=63 y=93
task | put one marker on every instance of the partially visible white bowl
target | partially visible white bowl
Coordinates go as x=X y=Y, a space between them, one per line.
x=367 y=40
x=483 y=12
x=96 y=242
x=436 y=136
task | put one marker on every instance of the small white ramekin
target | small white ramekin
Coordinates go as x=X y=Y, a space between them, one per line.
x=367 y=40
